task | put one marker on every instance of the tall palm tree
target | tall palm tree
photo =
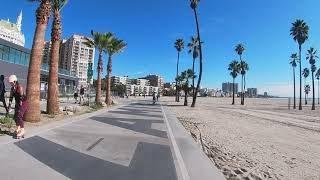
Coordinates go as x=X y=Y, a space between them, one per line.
x=293 y=62
x=244 y=68
x=99 y=41
x=115 y=46
x=33 y=80
x=312 y=57
x=179 y=45
x=317 y=75
x=194 y=50
x=307 y=89
x=239 y=50
x=234 y=68
x=305 y=74
x=53 y=91
x=299 y=32
x=194 y=7
x=185 y=76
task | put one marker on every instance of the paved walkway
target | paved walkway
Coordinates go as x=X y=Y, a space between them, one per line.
x=126 y=143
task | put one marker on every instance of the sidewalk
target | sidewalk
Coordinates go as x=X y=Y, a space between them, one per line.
x=131 y=142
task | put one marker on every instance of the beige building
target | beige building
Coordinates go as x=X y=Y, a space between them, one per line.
x=75 y=56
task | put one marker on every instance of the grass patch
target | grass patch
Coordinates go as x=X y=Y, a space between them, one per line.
x=96 y=106
x=6 y=120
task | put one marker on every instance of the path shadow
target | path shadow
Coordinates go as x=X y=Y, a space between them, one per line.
x=137 y=125
x=150 y=161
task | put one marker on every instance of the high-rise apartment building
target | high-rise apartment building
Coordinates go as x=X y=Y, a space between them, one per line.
x=75 y=56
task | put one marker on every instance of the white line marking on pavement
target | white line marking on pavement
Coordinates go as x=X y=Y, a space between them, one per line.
x=176 y=149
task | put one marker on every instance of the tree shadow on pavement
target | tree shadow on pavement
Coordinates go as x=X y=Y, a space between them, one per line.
x=150 y=161
x=137 y=125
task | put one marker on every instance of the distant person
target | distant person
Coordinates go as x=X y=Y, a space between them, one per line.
x=81 y=94
x=17 y=92
x=76 y=95
x=154 y=97
x=2 y=93
x=158 y=96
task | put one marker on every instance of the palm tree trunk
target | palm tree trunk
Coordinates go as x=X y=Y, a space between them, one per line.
x=98 y=90
x=318 y=93
x=233 y=92
x=244 y=87
x=193 y=77
x=108 y=83
x=200 y=58
x=300 y=100
x=294 y=88
x=305 y=93
x=33 y=80
x=313 y=97
x=53 y=91
x=185 y=98
x=177 y=91
x=241 y=95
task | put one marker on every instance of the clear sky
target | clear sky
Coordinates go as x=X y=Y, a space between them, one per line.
x=150 y=28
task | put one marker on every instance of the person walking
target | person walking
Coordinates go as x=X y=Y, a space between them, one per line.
x=81 y=94
x=17 y=92
x=2 y=93
x=75 y=95
x=158 y=96
x=154 y=97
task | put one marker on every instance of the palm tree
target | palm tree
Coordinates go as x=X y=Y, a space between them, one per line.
x=293 y=62
x=299 y=32
x=99 y=41
x=234 y=68
x=179 y=45
x=115 y=46
x=33 y=80
x=317 y=75
x=53 y=97
x=312 y=57
x=185 y=76
x=194 y=6
x=194 y=50
x=305 y=74
x=239 y=50
x=307 y=89
x=244 y=68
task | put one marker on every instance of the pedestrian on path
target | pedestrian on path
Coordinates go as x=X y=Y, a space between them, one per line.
x=2 y=93
x=81 y=94
x=17 y=92
x=154 y=97
x=76 y=95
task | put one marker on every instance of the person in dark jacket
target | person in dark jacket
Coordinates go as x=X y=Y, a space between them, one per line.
x=2 y=93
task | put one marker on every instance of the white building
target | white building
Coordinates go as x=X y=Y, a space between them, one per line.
x=12 y=31
x=75 y=56
x=116 y=80
x=143 y=82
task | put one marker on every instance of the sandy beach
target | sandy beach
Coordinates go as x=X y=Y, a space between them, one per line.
x=261 y=140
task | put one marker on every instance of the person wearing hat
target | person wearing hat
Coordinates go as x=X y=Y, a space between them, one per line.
x=2 y=92
x=17 y=92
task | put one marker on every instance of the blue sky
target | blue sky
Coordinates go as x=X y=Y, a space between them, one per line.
x=150 y=28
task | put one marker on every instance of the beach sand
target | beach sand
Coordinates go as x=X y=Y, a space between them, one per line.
x=261 y=140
